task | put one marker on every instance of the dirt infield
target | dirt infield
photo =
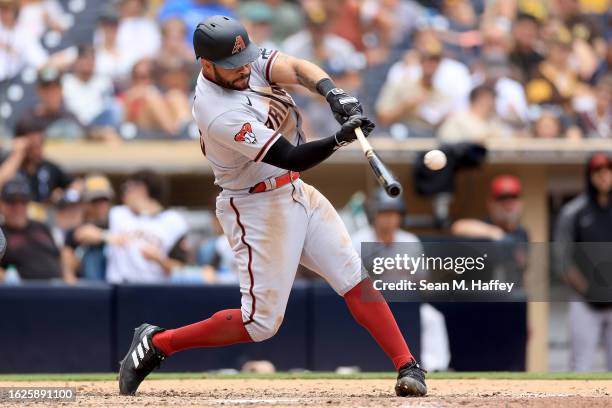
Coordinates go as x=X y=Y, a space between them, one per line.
x=336 y=393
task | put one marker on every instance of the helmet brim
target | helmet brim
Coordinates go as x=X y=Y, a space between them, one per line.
x=244 y=57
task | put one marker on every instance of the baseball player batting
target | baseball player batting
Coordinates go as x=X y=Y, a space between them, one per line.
x=251 y=135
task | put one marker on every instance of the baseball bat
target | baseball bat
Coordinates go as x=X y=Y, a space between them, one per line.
x=382 y=173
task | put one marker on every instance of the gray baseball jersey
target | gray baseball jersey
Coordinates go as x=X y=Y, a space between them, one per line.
x=238 y=127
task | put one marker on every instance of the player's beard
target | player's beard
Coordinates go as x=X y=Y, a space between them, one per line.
x=232 y=84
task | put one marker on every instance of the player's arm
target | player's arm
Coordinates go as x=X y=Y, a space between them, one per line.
x=302 y=157
x=295 y=71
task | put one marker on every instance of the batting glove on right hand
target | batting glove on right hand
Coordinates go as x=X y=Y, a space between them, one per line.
x=346 y=134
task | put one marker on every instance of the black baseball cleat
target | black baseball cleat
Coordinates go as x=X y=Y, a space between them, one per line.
x=141 y=359
x=411 y=381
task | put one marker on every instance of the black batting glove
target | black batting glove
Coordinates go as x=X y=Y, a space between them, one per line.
x=346 y=134
x=343 y=105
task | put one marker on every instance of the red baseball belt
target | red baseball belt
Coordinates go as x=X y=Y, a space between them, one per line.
x=274 y=182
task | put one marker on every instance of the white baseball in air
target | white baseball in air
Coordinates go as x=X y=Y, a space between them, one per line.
x=435 y=159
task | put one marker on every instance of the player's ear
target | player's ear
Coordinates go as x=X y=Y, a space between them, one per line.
x=206 y=65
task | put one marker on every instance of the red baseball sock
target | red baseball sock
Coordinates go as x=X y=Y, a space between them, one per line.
x=221 y=329
x=371 y=311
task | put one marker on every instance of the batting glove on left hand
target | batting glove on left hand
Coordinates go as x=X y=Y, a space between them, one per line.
x=343 y=105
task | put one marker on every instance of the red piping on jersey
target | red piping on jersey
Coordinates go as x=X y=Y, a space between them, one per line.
x=249 y=263
x=269 y=65
x=266 y=146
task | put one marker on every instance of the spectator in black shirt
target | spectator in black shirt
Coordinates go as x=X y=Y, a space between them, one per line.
x=583 y=234
x=30 y=246
x=525 y=54
x=27 y=158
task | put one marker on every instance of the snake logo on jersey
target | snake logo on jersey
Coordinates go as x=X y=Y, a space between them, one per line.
x=246 y=134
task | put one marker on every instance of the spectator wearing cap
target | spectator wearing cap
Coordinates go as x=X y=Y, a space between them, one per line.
x=67 y=214
x=505 y=207
x=84 y=254
x=27 y=158
x=50 y=113
x=478 y=124
x=18 y=48
x=30 y=245
x=90 y=97
x=416 y=103
x=582 y=235
x=386 y=217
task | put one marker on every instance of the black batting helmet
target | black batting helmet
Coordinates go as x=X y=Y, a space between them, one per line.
x=225 y=42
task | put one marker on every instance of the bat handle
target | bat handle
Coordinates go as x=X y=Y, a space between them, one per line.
x=363 y=141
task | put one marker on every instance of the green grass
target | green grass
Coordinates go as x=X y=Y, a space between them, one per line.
x=312 y=376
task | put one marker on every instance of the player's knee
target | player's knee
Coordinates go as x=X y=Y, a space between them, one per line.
x=266 y=328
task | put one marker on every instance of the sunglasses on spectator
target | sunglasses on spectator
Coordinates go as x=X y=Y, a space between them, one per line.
x=507 y=197
x=600 y=168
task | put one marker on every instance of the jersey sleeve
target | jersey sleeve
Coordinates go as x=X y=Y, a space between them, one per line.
x=263 y=65
x=240 y=131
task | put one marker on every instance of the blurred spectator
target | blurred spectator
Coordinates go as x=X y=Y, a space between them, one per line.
x=555 y=81
x=287 y=19
x=549 y=126
x=415 y=103
x=150 y=109
x=192 y=12
x=317 y=44
x=84 y=254
x=38 y=16
x=18 y=47
x=582 y=234
x=217 y=258
x=90 y=97
x=525 y=54
x=68 y=215
x=387 y=214
x=47 y=180
x=173 y=46
x=30 y=246
x=478 y=124
x=138 y=36
x=581 y=25
x=505 y=207
x=146 y=241
x=50 y=113
x=109 y=60
x=258 y=18
x=596 y=121
x=461 y=36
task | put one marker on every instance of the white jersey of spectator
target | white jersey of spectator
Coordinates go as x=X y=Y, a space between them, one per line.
x=126 y=262
x=339 y=50
x=452 y=78
x=368 y=234
x=511 y=101
x=86 y=100
x=465 y=126
x=39 y=16
x=238 y=128
x=19 y=49
x=137 y=38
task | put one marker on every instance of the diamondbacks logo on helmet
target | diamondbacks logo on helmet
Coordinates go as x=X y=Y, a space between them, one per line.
x=246 y=134
x=238 y=45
